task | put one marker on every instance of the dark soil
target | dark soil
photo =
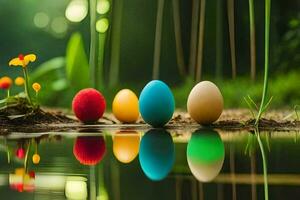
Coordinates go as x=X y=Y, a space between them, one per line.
x=18 y=119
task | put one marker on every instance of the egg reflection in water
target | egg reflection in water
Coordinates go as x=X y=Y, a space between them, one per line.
x=126 y=145
x=157 y=154
x=76 y=188
x=205 y=154
x=89 y=150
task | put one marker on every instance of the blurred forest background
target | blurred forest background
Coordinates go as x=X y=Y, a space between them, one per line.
x=58 y=32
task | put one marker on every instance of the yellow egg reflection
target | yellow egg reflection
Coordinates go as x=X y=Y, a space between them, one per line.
x=125 y=106
x=126 y=146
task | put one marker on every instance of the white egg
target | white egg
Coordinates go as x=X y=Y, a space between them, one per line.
x=205 y=103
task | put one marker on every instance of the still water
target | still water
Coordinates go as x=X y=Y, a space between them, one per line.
x=151 y=164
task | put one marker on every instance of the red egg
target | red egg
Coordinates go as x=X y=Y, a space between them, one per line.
x=89 y=105
x=89 y=150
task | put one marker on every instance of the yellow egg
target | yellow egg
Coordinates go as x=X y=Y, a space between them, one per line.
x=126 y=146
x=205 y=103
x=125 y=106
x=36 y=158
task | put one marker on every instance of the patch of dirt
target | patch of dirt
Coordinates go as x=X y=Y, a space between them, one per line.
x=16 y=115
x=16 y=119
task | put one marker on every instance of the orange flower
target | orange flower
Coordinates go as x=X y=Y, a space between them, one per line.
x=37 y=87
x=5 y=83
x=19 y=81
x=36 y=158
x=22 y=60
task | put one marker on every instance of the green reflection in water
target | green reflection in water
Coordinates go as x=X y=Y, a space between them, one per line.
x=265 y=170
x=205 y=154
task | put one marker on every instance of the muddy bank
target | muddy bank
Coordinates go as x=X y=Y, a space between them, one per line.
x=55 y=121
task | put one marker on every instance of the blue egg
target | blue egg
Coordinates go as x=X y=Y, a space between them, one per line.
x=156 y=103
x=157 y=154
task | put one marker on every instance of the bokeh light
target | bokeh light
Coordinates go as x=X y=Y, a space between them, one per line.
x=59 y=25
x=103 y=6
x=41 y=20
x=77 y=10
x=102 y=25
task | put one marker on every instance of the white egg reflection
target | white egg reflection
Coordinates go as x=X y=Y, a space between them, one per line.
x=205 y=154
x=76 y=188
x=77 y=10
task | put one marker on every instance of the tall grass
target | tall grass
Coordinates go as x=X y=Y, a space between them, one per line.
x=157 y=42
x=264 y=104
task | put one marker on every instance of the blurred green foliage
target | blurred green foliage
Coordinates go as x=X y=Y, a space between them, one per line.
x=288 y=51
x=64 y=67
x=77 y=66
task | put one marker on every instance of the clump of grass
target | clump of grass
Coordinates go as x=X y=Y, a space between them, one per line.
x=264 y=103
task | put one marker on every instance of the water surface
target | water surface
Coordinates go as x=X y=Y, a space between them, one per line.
x=154 y=164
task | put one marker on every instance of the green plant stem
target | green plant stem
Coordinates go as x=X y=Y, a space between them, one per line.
x=26 y=84
x=178 y=38
x=8 y=93
x=193 y=41
x=37 y=97
x=101 y=54
x=252 y=40
x=265 y=170
x=231 y=19
x=93 y=43
x=296 y=112
x=26 y=156
x=219 y=38
x=36 y=147
x=7 y=151
x=157 y=42
x=267 y=42
x=199 y=62
x=115 y=42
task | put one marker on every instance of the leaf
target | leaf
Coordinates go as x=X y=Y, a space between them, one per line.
x=59 y=85
x=251 y=109
x=48 y=67
x=48 y=75
x=77 y=66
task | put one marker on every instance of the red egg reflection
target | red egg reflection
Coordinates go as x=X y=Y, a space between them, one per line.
x=89 y=150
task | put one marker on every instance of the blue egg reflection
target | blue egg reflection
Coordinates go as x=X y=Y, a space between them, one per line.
x=157 y=154
x=205 y=154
